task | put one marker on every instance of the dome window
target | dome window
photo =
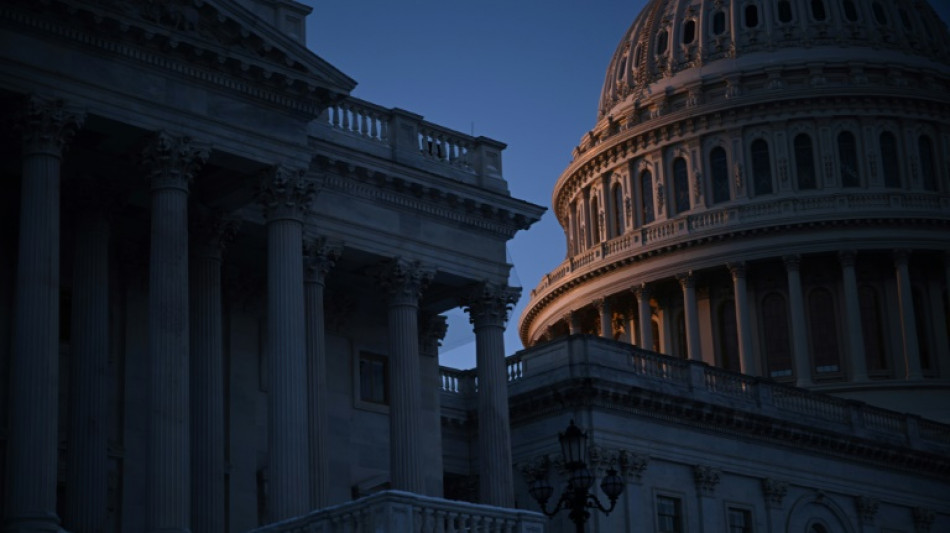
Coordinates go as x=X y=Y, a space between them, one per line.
x=761 y=167
x=818 y=10
x=719 y=168
x=719 y=22
x=905 y=19
x=879 y=15
x=784 y=11
x=848 y=160
x=850 y=10
x=622 y=69
x=751 y=16
x=689 y=31
x=680 y=185
x=637 y=56
x=805 y=162
x=892 y=169
x=646 y=196
x=777 y=338
x=928 y=170
x=617 y=197
x=661 y=42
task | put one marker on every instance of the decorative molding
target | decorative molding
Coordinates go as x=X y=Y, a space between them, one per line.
x=320 y=255
x=431 y=332
x=706 y=478
x=47 y=125
x=171 y=162
x=774 y=492
x=403 y=280
x=285 y=193
x=490 y=303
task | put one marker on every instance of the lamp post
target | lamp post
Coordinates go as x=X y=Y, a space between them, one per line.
x=577 y=497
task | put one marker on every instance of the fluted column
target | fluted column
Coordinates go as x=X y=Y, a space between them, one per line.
x=796 y=305
x=606 y=327
x=852 y=310
x=908 y=322
x=573 y=323
x=320 y=256
x=646 y=316
x=740 y=294
x=285 y=196
x=488 y=308
x=688 y=283
x=431 y=332
x=170 y=163
x=404 y=281
x=210 y=237
x=34 y=381
x=86 y=452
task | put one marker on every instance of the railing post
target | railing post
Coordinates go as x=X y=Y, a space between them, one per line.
x=763 y=394
x=912 y=428
x=488 y=163
x=697 y=376
x=404 y=136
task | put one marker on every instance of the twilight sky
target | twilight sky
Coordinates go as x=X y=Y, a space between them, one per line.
x=525 y=72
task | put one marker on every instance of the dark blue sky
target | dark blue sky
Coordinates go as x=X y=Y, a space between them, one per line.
x=525 y=72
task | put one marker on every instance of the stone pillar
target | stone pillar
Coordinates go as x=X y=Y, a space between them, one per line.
x=87 y=444
x=852 y=309
x=646 y=321
x=404 y=281
x=688 y=283
x=631 y=317
x=908 y=322
x=606 y=327
x=796 y=304
x=34 y=380
x=285 y=196
x=573 y=323
x=740 y=294
x=488 y=307
x=320 y=258
x=431 y=333
x=210 y=237
x=170 y=163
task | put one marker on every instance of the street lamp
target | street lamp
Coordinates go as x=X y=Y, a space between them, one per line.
x=577 y=497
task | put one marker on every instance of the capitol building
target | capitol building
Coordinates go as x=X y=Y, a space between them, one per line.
x=224 y=279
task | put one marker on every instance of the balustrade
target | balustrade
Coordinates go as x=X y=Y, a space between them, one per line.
x=359 y=118
x=443 y=145
x=728 y=383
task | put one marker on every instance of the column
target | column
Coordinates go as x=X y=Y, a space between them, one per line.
x=646 y=322
x=852 y=310
x=211 y=236
x=87 y=446
x=773 y=492
x=796 y=305
x=320 y=256
x=404 y=282
x=47 y=126
x=431 y=333
x=488 y=309
x=740 y=294
x=631 y=317
x=688 y=283
x=707 y=479
x=905 y=302
x=285 y=196
x=170 y=163
x=606 y=326
x=574 y=323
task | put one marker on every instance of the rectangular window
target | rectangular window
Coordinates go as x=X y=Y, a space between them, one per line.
x=669 y=515
x=374 y=378
x=740 y=520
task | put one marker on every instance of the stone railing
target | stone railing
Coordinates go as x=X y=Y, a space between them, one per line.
x=454 y=381
x=402 y=512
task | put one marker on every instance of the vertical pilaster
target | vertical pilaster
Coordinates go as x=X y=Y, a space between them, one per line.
x=210 y=237
x=47 y=126
x=405 y=281
x=852 y=308
x=320 y=256
x=431 y=332
x=796 y=304
x=740 y=294
x=86 y=452
x=908 y=322
x=774 y=491
x=171 y=163
x=606 y=326
x=285 y=196
x=646 y=316
x=707 y=479
x=688 y=283
x=488 y=307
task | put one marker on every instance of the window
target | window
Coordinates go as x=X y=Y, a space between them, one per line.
x=928 y=171
x=622 y=69
x=879 y=15
x=850 y=11
x=719 y=168
x=661 y=41
x=751 y=16
x=848 y=160
x=680 y=185
x=824 y=331
x=719 y=22
x=872 y=328
x=580 y=226
x=818 y=10
x=889 y=161
x=637 y=56
x=761 y=167
x=655 y=329
x=689 y=31
x=646 y=196
x=775 y=334
x=669 y=515
x=728 y=336
x=740 y=520
x=594 y=219
x=374 y=378
x=784 y=11
x=618 y=210
x=923 y=338
x=805 y=162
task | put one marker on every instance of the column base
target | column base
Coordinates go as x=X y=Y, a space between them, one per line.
x=34 y=524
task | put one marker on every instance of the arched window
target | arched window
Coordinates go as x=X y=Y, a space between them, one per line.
x=594 y=220
x=689 y=31
x=661 y=41
x=719 y=22
x=889 y=162
x=850 y=10
x=575 y=241
x=818 y=10
x=622 y=69
x=824 y=331
x=775 y=335
x=784 y=11
x=848 y=160
x=872 y=327
x=928 y=170
x=637 y=56
x=728 y=336
x=680 y=185
x=879 y=15
x=646 y=196
x=761 y=167
x=751 y=16
x=618 y=209
x=719 y=168
x=805 y=162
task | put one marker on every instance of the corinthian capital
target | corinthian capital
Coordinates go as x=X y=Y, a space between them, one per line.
x=48 y=124
x=431 y=332
x=320 y=255
x=285 y=193
x=490 y=303
x=212 y=233
x=404 y=280
x=172 y=162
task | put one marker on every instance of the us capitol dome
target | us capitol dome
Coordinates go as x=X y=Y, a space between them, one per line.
x=767 y=190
